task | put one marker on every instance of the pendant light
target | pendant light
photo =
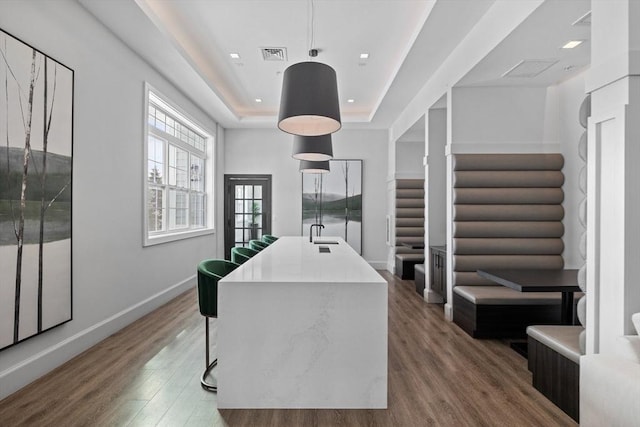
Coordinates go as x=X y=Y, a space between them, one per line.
x=309 y=104
x=314 y=148
x=307 y=166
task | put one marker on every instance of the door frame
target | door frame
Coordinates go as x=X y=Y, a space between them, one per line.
x=229 y=197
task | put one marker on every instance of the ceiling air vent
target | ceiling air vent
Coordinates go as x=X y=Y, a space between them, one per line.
x=584 y=19
x=274 y=53
x=529 y=68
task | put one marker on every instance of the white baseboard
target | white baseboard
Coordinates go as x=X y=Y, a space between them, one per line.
x=433 y=297
x=448 y=312
x=32 y=368
x=378 y=265
x=391 y=267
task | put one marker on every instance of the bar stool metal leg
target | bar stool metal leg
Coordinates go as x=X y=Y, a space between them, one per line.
x=209 y=366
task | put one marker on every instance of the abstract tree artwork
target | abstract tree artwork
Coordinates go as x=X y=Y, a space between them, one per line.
x=334 y=200
x=36 y=140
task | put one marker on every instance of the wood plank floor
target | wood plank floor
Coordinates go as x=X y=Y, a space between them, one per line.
x=148 y=374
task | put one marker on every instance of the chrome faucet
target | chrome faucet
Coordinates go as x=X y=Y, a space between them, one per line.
x=311 y=230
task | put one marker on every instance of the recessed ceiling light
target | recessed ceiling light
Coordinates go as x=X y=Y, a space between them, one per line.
x=258 y=100
x=351 y=100
x=234 y=55
x=572 y=44
x=364 y=56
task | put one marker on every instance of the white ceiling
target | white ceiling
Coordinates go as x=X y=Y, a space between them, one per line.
x=189 y=42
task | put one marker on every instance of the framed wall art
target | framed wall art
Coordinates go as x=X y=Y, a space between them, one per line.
x=36 y=134
x=334 y=200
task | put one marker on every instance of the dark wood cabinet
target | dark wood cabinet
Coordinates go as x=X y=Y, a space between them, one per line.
x=439 y=270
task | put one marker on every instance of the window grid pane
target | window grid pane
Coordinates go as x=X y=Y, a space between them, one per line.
x=197 y=210
x=155 y=209
x=155 y=150
x=178 y=160
x=177 y=209
x=165 y=122
x=196 y=173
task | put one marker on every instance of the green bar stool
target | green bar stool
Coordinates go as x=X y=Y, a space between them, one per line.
x=268 y=238
x=210 y=271
x=257 y=245
x=240 y=255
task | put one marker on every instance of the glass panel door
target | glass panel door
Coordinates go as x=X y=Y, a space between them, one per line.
x=247 y=209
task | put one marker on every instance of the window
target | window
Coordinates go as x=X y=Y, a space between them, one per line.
x=178 y=174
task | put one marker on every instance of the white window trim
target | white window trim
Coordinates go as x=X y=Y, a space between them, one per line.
x=209 y=177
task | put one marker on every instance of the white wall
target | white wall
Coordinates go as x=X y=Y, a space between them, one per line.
x=115 y=279
x=499 y=119
x=268 y=151
x=409 y=156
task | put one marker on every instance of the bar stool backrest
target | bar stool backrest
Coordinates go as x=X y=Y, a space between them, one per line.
x=257 y=245
x=210 y=271
x=240 y=254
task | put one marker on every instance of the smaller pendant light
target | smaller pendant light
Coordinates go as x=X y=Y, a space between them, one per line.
x=307 y=166
x=313 y=148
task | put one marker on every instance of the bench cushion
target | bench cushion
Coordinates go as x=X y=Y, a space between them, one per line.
x=560 y=338
x=482 y=295
x=405 y=263
x=410 y=257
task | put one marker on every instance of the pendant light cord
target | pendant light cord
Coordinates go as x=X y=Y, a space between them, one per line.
x=310 y=32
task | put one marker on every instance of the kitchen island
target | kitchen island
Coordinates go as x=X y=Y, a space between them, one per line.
x=301 y=328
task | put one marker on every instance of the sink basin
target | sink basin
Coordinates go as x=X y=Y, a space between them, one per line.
x=325 y=242
x=324 y=250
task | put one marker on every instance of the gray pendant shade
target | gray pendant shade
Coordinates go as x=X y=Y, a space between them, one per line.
x=307 y=166
x=313 y=148
x=309 y=103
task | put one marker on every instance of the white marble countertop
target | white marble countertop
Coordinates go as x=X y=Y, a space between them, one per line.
x=302 y=329
x=295 y=259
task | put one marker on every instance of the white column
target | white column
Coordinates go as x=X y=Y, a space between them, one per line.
x=391 y=203
x=448 y=307
x=613 y=230
x=435 y=188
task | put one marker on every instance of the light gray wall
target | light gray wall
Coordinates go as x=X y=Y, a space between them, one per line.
x=409 y=156
x=498 y=116
x=115 y=279
x=268 y=151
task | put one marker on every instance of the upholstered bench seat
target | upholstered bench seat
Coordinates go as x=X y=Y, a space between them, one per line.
x=503 y=295
x=507 y=214
x=405 y=264
x=564 y=340
x=419 y=278
x=554 y=362
x=500 y=312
